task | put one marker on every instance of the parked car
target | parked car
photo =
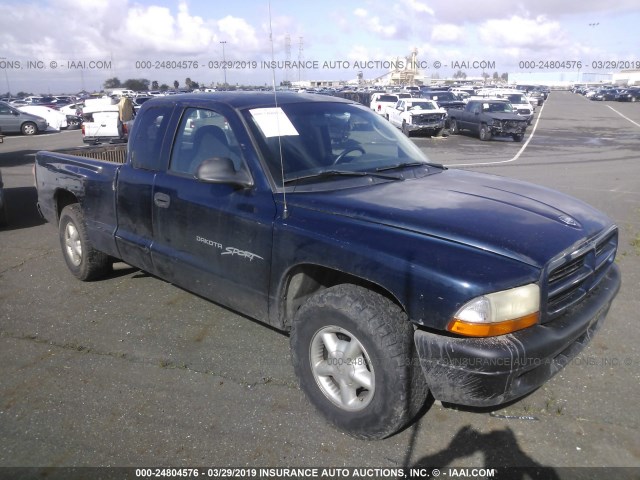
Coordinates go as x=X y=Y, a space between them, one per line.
x=605 y=94
x=395 y=277
x=489 y=118
x=56 y=120
x=417 y=115
x=520 y=102
x=446 y=100
x=100 y=122
x=629 y=95
x=380 y=102
x=4 y=217
x=13 y=120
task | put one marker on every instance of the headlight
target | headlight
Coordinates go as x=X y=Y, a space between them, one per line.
x=498 y=313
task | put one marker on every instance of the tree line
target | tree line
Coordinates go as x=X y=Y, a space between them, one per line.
x=143 y=84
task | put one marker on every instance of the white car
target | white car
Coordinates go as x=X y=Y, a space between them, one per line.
x=417 y=114
x=56 y=120
x=100 y=122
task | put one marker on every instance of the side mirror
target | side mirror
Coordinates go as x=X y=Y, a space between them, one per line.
x=222 y=170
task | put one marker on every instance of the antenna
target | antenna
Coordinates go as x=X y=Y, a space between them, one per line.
x=285 y=210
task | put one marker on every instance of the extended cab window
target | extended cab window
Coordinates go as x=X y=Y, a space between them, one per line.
x=149 y=133
x=203 y=134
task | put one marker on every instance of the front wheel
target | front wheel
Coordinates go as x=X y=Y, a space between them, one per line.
x=453 y=127
x=485 y=133
x=518 y=137
x=354 y=356
x=29 y=128
x=405 y=129
x=84 y=261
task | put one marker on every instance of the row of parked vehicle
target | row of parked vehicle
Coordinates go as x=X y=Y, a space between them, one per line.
x=487 y=112
x=609 y=93
x=96 y=116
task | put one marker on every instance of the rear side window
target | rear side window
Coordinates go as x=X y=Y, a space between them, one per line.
x=149 y=132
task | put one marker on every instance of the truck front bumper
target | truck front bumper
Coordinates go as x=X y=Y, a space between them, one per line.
x=482 y=372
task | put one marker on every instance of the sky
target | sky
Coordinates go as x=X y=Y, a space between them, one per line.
x=63 y=46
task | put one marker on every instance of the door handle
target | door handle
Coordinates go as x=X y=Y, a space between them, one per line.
x=162 y=200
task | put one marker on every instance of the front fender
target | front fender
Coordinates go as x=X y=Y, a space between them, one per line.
x=430 y=277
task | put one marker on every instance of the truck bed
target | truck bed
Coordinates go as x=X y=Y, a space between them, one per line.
x=109 y=153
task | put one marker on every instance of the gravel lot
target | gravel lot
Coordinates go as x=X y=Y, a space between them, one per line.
x=133 y=371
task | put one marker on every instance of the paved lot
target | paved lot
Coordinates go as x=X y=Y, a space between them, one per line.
x=133 y=371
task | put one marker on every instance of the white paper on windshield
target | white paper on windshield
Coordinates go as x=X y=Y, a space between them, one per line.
x=273 y=122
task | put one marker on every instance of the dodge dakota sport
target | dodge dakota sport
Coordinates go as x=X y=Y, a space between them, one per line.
x=393 y=276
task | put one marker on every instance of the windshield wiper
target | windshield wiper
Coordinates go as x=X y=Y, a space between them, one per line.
x=409 y=164
x=337 y=173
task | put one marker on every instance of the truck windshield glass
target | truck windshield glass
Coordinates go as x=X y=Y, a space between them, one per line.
x=497 y=107
x=421 y=106
x=321 y=136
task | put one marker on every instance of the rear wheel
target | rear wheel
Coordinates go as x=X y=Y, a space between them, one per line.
x=354 y=356
x=84 y=261
x=485 y=133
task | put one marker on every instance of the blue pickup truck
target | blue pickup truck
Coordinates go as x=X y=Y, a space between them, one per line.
x=394 y=276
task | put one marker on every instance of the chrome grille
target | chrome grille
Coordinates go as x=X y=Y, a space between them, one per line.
x=571 y=277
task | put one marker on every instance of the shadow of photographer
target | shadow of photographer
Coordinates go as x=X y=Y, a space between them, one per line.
x=500 y=450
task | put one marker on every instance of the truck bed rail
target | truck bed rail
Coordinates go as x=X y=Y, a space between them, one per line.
x=110 y=153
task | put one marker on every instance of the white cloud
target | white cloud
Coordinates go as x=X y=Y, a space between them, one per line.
x=420 y=7
x=446 y=33
x=535 y=34
x=156 y=29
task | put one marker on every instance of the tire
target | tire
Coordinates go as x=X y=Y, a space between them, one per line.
x=4 y=216
x=85 y=262
x=485 y=133
x=518 y=138
x=354 y=356
x=405 y=130
x=29 y=128
x=453 y=127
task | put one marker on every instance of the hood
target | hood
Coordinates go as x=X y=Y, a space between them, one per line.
x=528 y=223
x=438 y=111
x=505 y=116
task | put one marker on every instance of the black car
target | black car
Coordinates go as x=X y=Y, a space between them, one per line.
x=629 y=95
x=444 y=99
x=4 y=217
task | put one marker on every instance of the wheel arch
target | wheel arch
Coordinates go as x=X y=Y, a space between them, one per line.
x=304 y=280
x=63 y=198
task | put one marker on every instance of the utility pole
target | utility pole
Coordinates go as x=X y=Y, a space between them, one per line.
x=224 y=63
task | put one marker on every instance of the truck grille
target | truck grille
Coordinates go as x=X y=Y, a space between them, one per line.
x=514 y=123
x=428 y=118
x=524 y=111
x=573 y=276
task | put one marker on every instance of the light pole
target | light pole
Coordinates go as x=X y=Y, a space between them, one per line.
x=224 y=63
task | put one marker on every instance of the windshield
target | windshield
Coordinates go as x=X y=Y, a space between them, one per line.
x=421 y=106
x=497 y=107
x=316 y=137
x=516 y=98
x=446 y=96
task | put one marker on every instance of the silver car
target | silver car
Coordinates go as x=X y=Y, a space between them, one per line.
x=13 y=120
